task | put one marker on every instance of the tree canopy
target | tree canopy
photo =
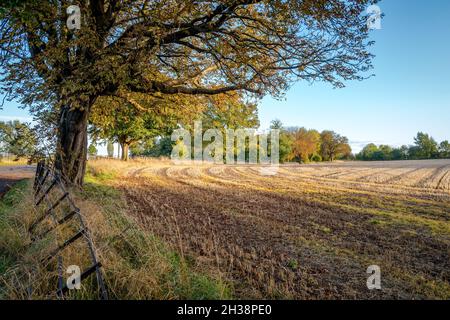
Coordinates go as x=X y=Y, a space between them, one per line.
x=425 y=147
x=168 y=47
x=17 y=138
x=333 y=145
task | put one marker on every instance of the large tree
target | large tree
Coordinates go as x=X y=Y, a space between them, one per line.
x=166 y=47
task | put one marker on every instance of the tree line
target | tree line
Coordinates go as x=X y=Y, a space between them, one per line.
x=144 y=138
x=424 y=147
x=309 y=145
x=295 y=144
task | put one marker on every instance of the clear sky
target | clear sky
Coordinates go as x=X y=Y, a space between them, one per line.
x=410 y=92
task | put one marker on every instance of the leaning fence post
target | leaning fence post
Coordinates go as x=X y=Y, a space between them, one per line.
x=45 y=173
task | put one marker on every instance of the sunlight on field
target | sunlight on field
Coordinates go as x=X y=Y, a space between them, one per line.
x=310 y=231
x=12 y=161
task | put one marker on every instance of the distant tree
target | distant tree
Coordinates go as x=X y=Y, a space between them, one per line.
x=18 y=138
x=141 y=147
x=385 y=152
x=345 y=153
x=110 y=148
x=92 y=150
x=160 y=146
x=285 y=142
x=401 y=153
x=285 y=146
x=427 y=147
x=305 y=143
x=332 y=145
x=276 y=124
x=415 y=153
x=444 y=149
x=367 y=153
x=229 y=111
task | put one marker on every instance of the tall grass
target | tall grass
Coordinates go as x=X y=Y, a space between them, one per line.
x=136 y=264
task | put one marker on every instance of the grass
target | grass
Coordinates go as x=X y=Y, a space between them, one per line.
x=12 y=233
x=136 y=263
x=139 y=252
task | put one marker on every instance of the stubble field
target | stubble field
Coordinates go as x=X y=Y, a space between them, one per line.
x=308 y=232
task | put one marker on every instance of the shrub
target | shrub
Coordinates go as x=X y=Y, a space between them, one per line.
x=316 y=158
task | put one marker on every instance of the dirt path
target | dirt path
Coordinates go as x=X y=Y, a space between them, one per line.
x=11 y=174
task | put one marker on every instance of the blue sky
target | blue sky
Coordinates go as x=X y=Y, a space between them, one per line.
x=410 y=92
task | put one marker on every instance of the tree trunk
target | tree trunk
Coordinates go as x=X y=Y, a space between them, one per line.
x=72 y=144
x=125 y=148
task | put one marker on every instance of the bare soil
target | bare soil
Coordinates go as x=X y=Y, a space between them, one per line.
x=309 y=232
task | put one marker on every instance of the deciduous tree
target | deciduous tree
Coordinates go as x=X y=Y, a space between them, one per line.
x=305 y=143
x=333 y=145
x=17 y=138
x=167 y=47
x=427 y=147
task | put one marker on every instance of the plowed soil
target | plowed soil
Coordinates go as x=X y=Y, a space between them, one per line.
x=309 y=232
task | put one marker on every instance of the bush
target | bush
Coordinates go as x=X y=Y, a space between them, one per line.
x=316 y=158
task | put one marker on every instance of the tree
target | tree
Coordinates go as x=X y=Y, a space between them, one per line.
x=444 y=149
x=110 y=148
x=427 y=147
x=166 y=47
x=229 y=111
x=305 y=144
x=276 y=124
x=92 y=150
x=161 y=147
x=401 y=153
x=333 y=145
x=133 y=122
x=345 y=152
x=367 y=153
x=385 y=152
x=18 y=138
x=285 y=140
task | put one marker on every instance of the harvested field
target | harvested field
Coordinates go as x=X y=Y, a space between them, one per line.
x=309 y=232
